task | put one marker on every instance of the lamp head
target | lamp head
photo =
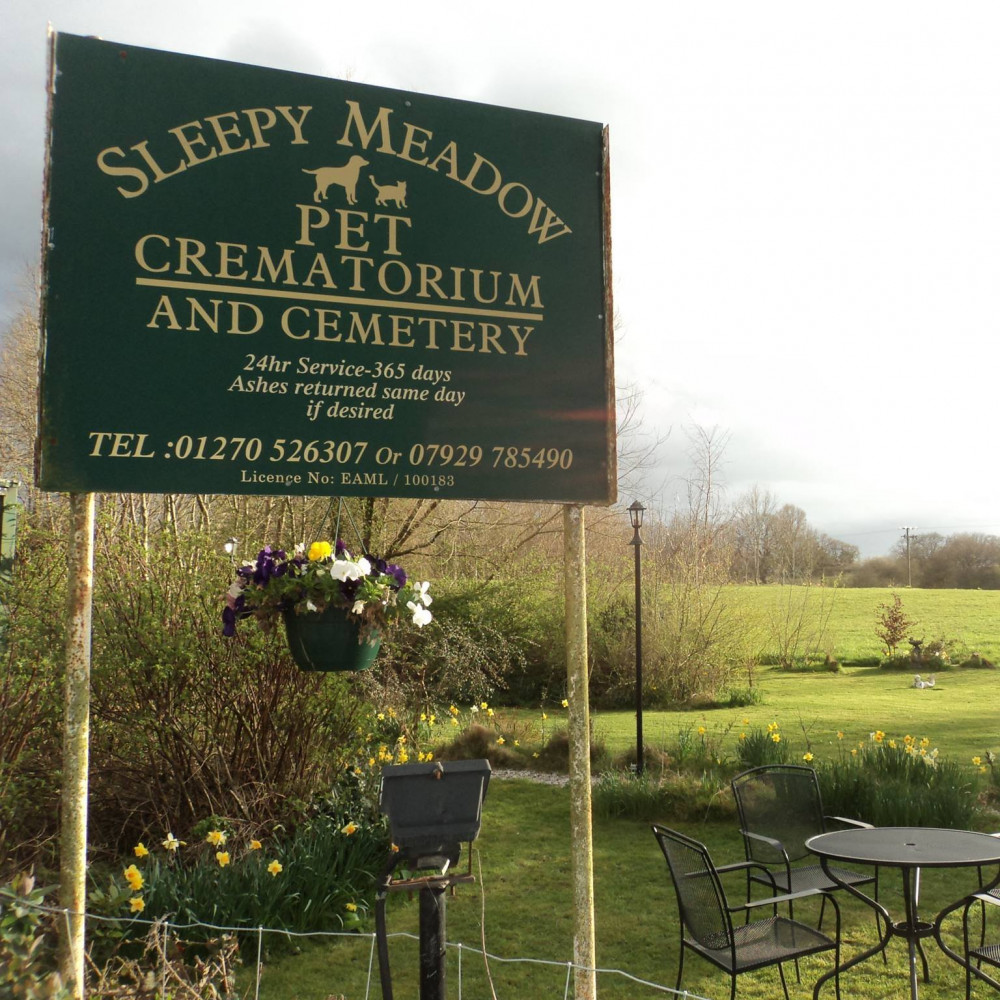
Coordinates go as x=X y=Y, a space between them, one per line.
x=229 y=545
x=635 y=513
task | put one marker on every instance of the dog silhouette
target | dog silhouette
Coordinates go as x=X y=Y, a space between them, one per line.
x=346 y=176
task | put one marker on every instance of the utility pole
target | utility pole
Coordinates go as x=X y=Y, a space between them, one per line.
x=908 y=536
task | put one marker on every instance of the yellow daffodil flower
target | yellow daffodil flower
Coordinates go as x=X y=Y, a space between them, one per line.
x=171 y=843
x=140 y=850
x=351 y=907
x=255 y=845
x=222 y=857
x=274 y=868
x=216 y=838
x=137 y=903
x=349 y=829
x=807 y=757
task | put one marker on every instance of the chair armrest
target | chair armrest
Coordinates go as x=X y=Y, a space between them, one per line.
x=770 y=841
x=744 y=865
x=987 y=897
x=855 y=824
x=783 y=898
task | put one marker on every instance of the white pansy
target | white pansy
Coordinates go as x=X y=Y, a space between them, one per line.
x=421 y=616
x=420 y=590
x=343 y=569
x=310 y=606
x=364 y=566
x=359 y=606
x=300 y=548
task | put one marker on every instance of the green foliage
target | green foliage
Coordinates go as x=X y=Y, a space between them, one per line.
x=320 y=877
x=660 y=796
x=757 y=747
x=30 y=700
x=899 y=782
x=28 y=965
x=187 y=723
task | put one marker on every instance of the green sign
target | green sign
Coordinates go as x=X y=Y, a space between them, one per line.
x=264 y=282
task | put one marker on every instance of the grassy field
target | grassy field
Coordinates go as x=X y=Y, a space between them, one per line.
x=968 y=617
x=960 y=714
x=522 y=907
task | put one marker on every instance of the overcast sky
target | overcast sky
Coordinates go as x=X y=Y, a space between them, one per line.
x=805 y=211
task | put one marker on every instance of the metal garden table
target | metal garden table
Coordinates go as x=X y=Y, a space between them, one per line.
x=909 y=849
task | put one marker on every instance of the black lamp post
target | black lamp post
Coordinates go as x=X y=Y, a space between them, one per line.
x=635 y=513
x=229 y=545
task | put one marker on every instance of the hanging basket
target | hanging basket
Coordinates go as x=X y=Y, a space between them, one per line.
x=328 y=640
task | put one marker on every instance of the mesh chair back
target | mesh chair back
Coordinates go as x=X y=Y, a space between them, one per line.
x=700 y=897
x=781 y=801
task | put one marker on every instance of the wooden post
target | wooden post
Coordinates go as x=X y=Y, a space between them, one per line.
x=582 y=843
x=76 y=745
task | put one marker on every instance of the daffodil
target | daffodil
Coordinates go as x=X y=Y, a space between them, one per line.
x=134 y=878
x=565 y=703
x=140 y=850
x=222 y=857
x=216 y=838
x=275 y=867
x=349 y=829
x=137 y=903
x=255 y=845
x=807 y=757
x=171 y=843
x=351 y=907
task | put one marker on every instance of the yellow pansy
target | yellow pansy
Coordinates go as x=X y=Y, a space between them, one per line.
x=320 y=550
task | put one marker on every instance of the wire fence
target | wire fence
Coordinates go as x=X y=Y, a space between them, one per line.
x=372 y=987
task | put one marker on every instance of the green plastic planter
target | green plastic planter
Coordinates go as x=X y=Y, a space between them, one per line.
x=328 y=640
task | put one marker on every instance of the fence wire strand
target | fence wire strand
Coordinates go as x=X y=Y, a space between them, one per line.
x=570 y=967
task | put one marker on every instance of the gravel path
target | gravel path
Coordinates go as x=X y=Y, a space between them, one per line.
x=539 y=777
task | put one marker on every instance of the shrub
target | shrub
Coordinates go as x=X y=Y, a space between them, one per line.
x=892 y=623
x=28 y=964
x=762 y=746
x=31 y=650
x=322 y=876
x=899 y=782
x=665 y=797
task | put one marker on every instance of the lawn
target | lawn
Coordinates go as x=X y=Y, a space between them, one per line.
x=966 y=617
x=522 y=907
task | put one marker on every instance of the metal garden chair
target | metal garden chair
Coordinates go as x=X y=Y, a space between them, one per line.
x=983 y=952
x=780 y=807
x=707 y=926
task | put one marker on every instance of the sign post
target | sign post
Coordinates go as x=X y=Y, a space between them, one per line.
x=76 y=745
